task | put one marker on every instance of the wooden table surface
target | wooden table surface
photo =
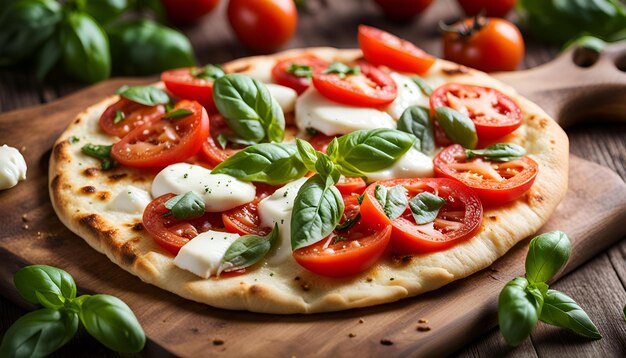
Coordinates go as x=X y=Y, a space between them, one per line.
x=598 y=286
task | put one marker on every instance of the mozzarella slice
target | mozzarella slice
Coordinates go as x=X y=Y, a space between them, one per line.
x=203 y=254
x=331 y=118
x=219 y=191
x=277 y=208
x=12 y=167
x=409 y=94
x=413 y=164
x=285 y=96
x=131 y=200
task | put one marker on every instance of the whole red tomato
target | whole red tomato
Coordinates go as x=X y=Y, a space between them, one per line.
x=185 y=11
x=493 y=8
x=263 y=25
x=403 y=10
x=491 y=45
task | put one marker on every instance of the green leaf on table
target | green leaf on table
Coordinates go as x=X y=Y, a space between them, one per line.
x=45 y=285
x=519 y=308
x=547 y=254
x=561 y=310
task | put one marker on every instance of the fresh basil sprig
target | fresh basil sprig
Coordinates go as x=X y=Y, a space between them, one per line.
x=415 y=120
x=300 y=70
x=562 y=311
x=249 y=109
x=519 y=307
x=209 y=72
x=146 y=95
x=547 y=254
x=458 y=127
x=342 y=69
x=101 y=152
x=185 y=206
x=247 y=250
x=393 y=200
x=501 y=152
x=425 y=207
x=46 y=285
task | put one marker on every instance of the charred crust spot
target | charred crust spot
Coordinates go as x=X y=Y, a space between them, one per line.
x=88 y=189
x=397 y=259
x=59 y=152
x=534 y=198
x=543 y=123
x=297 y=278
x=91 y=172
x=254 y=289
x=104 y=195
x=493 y=218
x=77 y=121
x=538 y=198
x=117 y=177
x=218 y=342
x=239 y=68
x=95 y=225
x=532 y=117
x=552 y=141
x=137 y=227
x=127 y=253
x=423 y=328
x=386 y=342
x=305 y=286
x=56 y=181
x=369 y=279
x=457 y=70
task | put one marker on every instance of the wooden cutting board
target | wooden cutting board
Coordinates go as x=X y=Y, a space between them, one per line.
x=592 y=214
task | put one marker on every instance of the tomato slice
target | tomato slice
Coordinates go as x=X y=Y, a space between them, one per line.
x=165 y=141
x=282 y=76
x=494 y=114
x=171 y=233
x=495 y=182
x=349 y=252
x=133 y=115
x=458 y=220
x=184 y=85
x=382 y=48
x=371 y=87
x=244 y=220
x=212 y=150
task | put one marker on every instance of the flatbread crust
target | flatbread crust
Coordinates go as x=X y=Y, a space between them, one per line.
x=81 y=195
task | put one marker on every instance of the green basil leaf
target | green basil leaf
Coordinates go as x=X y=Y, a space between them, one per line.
x=519 y=308
x=425 y=207
x=101 y=152
x=501 y=152
x=348 y=224
x=179 y=113
x=300 y=70
x=307 y=153
x=146 y=95
x=561 y=310
x=46 y=285
x=342 y=69
x=316 y=211
x=326 y=168
x=415 y=120
x=547 y=254
x=247 y=251
x=185 y=206
x=111 y=321
x=222 y=140
x=39 y=333
x=48 y=56
x=458 y=127
x=105 y=11
x=393 y=200
x=119 y=116
x=249 y=108
x=272 y=163
x=208 y=72
x=85 y=48
x=424 y=87
x=143 y=47
x=366 y=151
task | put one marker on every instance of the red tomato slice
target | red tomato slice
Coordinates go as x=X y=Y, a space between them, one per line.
x=382 y=48
x=212 y=150
x=494 y=114
x=244 y=220
x=495 y=182
x=171 y=233
x=349 y=252
x=281 y=75
x=458 y=220
x=184 y=85
x=372 y=87
x=134 y=115
x=166 y=141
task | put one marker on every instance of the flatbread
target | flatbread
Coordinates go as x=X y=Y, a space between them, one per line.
x=81 y=195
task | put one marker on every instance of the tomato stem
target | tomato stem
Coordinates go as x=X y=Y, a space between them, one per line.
x=462 y=29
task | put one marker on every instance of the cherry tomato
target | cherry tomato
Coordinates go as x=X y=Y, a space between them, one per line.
x=382 y=48
x=165 y=141
x=458 y=220
x=402 y=10
x=495 y=182
x=496 y=46
x=495 y=8
x=282 y=76
x=184 y=85
x=182 y=12
x=263 y=25
x=493 y=113
x=349 y=252
x=371 y=87
x=129 y=115
x=244 y=220
x=171 y=233
x=345 y=185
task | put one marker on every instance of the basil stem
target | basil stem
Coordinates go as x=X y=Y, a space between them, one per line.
x=247 y=250
x=393 y=200
x=415 y=120
x=185 y=206
x=46 y=285
x=519 y=308
x=547 y=254
x=179 y=113
x=101 y=152
x=425 y=207
x=146 y=95
x=501 y=152
x=424 y=87
x=208 y=72
x=458 y=127
x=561 y=310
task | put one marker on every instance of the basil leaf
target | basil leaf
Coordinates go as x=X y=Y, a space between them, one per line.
x=316 y=211
x=424 y=87
x=111 y=321
x=146 y=95
x=425 y=207
x=547 y=254
x=119 y=116
x=143 y=47
x=208 y=72
x=519 y=307
x=300 y=70
x=85 y=48
x=393 y=201
x=249 y=109
x=46 y=285
x=105 y=11
x=247 y=251
x=348 y=224
x=501 y=152
x=222 y=140
x=179 y=113
x=366 y=151
x=458 y=127
x=101 y=152
x=562 y=311
x=48 y=56
x=326 y=168
x=342 y=69
x=273 y=163
x=307 y=153
x=39 y=333
x=416 y=120
x=185 y=206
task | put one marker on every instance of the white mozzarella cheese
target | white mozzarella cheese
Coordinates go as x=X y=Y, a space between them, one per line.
x=331 y=118
x=409 y=94
x=413 y=164
x=131 y=200
x=285 y=96
x=219 y=191
x=277 y=208
x=12 y=167
x=203 y=254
